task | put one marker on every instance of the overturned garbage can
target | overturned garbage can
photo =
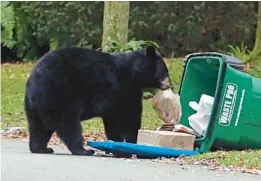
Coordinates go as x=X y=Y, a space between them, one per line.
x=235 y=119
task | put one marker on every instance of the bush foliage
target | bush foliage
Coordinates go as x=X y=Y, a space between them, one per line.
x=31 y=29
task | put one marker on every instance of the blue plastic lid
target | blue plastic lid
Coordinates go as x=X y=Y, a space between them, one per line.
x=140 y=149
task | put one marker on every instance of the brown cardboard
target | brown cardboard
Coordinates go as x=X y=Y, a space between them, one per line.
x=167 y=139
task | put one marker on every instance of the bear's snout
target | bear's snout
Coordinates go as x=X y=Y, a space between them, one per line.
x=166 y=83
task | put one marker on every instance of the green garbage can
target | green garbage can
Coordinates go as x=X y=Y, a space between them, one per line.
x=235 y=120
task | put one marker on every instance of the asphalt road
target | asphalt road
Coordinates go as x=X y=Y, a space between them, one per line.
x=18 y=164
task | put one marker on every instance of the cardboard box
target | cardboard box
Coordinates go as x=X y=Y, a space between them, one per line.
x=167 y=139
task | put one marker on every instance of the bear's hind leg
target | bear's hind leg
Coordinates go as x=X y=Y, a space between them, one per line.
x=113 y=133
x=112 y=130
x=38 y=135
x=70 y=131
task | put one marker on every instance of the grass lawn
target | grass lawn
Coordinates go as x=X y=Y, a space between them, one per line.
x=13 y=81
x=248 y=158
x=14 y=77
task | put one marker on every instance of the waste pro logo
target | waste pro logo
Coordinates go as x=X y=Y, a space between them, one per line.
x=228 y=104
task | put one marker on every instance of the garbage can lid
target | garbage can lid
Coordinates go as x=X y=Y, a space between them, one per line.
x=232 y=61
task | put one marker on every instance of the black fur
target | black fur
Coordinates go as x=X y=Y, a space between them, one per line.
x=70 y=85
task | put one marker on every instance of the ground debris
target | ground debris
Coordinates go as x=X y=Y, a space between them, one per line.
x=210 y=164
x=13 y=132
x=21 y=133
x=97 y=136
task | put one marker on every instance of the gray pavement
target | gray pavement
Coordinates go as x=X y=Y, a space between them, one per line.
x=18 y=164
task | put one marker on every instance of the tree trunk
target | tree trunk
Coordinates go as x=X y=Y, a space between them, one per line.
x=257 y=49
x=115 y=22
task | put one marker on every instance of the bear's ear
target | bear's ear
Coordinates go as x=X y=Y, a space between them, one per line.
x=150 y=51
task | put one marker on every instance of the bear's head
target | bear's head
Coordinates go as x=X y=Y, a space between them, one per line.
x=152 y=70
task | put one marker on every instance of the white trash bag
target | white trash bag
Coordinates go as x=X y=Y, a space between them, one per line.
x=199 y=121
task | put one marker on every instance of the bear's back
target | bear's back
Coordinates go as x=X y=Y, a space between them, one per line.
x=71 y=74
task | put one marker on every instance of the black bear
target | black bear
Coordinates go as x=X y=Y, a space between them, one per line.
x=69 y=85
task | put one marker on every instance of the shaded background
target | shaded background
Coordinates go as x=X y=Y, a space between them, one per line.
x=178 y=27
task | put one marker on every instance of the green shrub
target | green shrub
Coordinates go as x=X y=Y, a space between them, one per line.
x=242 y=52
x=7 y=24
x=255 y=71
x=132 y=45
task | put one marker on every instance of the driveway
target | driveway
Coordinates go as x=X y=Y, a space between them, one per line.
x=18 y=164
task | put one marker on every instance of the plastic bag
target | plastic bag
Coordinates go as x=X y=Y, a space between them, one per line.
x=199 y=121
x=167 y=105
